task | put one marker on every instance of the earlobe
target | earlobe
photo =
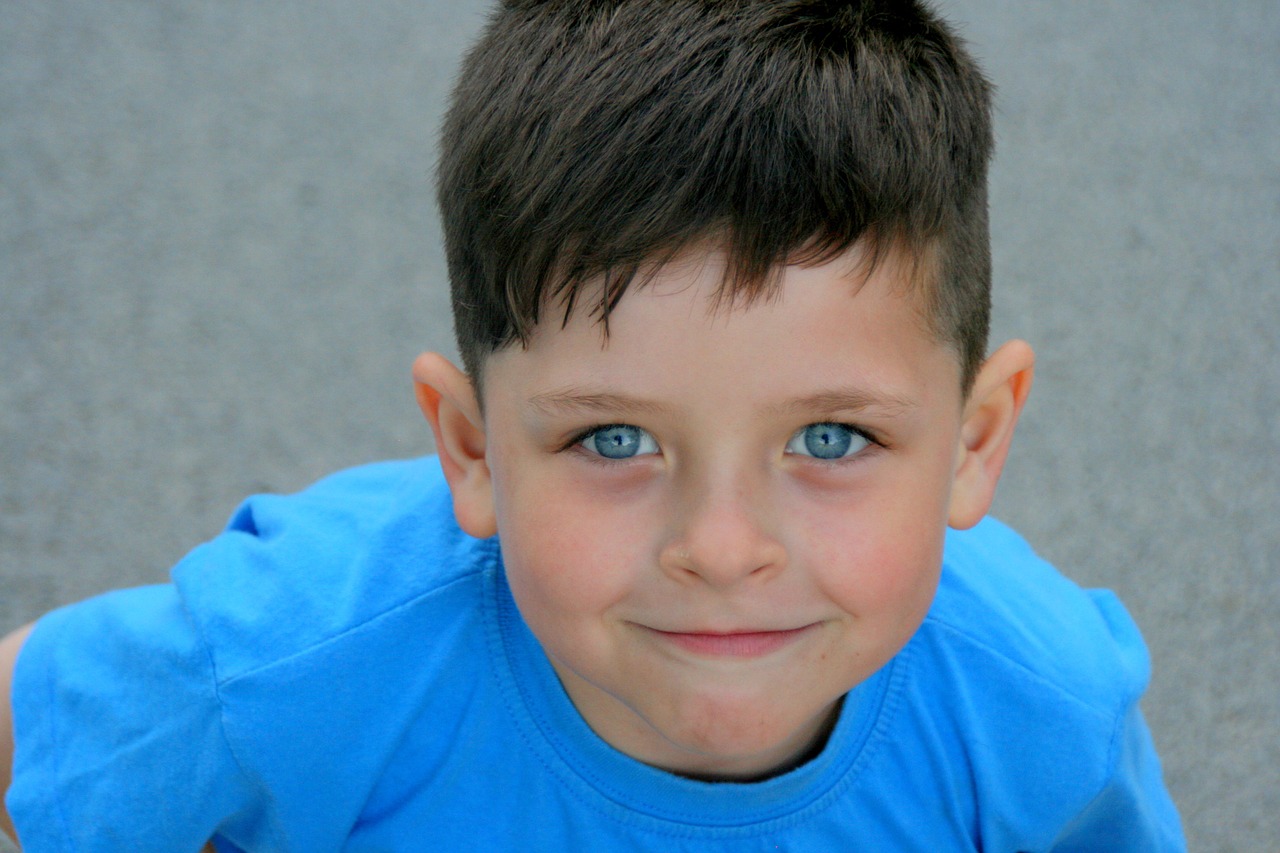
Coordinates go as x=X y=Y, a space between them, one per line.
x=448 y=400
x=990 y=416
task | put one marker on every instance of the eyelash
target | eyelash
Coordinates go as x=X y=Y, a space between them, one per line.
x=575 y=443
x=578 y=437
x=873 y=441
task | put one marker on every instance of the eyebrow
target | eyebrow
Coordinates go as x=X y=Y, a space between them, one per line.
x=846 y=400
x=578 y=401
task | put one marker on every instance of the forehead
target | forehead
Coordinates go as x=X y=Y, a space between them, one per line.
x=718 y=273
x=843 y=322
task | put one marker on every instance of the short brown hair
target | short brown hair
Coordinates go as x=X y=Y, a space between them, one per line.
x=589 y=139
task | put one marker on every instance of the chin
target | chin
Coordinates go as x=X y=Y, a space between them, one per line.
x=734 y=741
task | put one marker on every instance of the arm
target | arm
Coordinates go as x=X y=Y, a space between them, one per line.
x=9 y=648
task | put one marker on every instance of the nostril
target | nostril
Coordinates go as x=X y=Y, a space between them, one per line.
x=721 y=563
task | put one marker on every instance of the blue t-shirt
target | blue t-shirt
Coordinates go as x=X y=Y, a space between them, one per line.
x=344 y=669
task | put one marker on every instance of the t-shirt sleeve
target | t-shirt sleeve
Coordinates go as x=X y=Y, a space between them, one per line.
x=118 y=732
x=1133 y=812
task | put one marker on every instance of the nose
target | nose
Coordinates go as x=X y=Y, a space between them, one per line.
x=723 y=536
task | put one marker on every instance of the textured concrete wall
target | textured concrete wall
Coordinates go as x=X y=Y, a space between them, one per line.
x=219 y=252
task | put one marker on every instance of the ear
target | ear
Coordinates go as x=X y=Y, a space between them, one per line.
x=448 y=399
x=986 y=432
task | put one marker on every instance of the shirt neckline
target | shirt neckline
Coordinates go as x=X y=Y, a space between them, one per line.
x=634 y=791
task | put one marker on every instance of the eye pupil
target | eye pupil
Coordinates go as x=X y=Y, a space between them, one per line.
x=617 y=442
x=827 y=441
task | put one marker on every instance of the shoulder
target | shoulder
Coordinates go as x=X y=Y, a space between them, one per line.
x=346 y=612
x=1001 y=600
x=1029 y=680
x=354 y=612
x=294 y=572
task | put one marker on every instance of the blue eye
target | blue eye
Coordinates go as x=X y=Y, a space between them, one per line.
x=826 y=441
x=619 y=441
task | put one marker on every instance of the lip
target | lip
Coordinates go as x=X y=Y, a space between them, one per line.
x=733 y=644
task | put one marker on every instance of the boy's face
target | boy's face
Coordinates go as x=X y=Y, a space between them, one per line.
x=717 y=522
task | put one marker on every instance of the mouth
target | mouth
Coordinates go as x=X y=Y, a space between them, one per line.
x=733 y=644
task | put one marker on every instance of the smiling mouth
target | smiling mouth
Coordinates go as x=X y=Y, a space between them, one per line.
x=735 y=644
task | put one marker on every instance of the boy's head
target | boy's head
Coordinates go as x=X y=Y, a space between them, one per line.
x=719 y=513
x=591 y=139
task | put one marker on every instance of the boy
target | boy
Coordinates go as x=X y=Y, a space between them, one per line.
x=680 y=579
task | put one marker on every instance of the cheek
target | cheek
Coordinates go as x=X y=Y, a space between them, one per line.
x=565 y=556
x=875 y=575
x=878 y=555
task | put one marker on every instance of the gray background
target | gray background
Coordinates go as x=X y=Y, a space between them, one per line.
x=219 y=253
